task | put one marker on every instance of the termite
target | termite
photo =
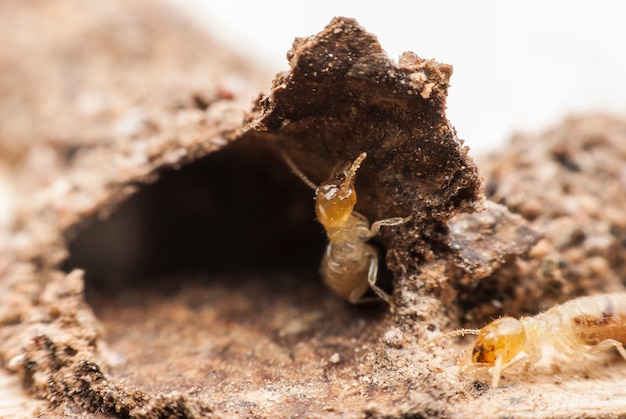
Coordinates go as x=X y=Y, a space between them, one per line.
x=350 y=264
x=576 y=329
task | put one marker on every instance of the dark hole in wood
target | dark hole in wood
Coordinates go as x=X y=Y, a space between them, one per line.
x=236 y=212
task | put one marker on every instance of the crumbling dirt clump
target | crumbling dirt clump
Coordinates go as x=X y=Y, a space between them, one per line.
x=161 y=260
x=569 y=183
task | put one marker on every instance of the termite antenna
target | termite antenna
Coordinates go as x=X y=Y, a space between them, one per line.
x=296 y=171
x=352 y=171
x=453 y=334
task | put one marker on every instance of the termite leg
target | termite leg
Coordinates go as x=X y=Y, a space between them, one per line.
x=373 y=255
x=356 y=297
x=496 y=373
x=372 y=276
x=387 y=222
x=606 y=345
x=498 y=369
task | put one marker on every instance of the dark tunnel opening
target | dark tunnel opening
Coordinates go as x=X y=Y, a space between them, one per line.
x=236 y=211
x=232 y=215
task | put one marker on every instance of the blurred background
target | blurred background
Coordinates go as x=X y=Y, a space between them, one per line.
x=517 y=66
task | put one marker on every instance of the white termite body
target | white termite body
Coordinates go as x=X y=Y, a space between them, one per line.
x=350 y=264
x=575 y=329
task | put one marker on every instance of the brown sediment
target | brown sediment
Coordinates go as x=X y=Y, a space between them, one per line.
x=577 y=204
x=200 y=294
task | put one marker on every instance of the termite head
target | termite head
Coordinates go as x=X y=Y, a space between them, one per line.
x=496 y=345
x=335 y=199
x=502 y=339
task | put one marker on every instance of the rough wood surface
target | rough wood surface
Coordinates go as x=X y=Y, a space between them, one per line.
x=197 y=294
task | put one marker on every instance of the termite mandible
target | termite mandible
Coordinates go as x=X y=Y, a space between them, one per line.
x=350 y=265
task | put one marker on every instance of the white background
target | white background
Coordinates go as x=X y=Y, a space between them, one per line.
x=517 y=66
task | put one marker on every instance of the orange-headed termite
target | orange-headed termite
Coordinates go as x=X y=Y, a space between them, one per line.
x=350 y=265
x=575 y=329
